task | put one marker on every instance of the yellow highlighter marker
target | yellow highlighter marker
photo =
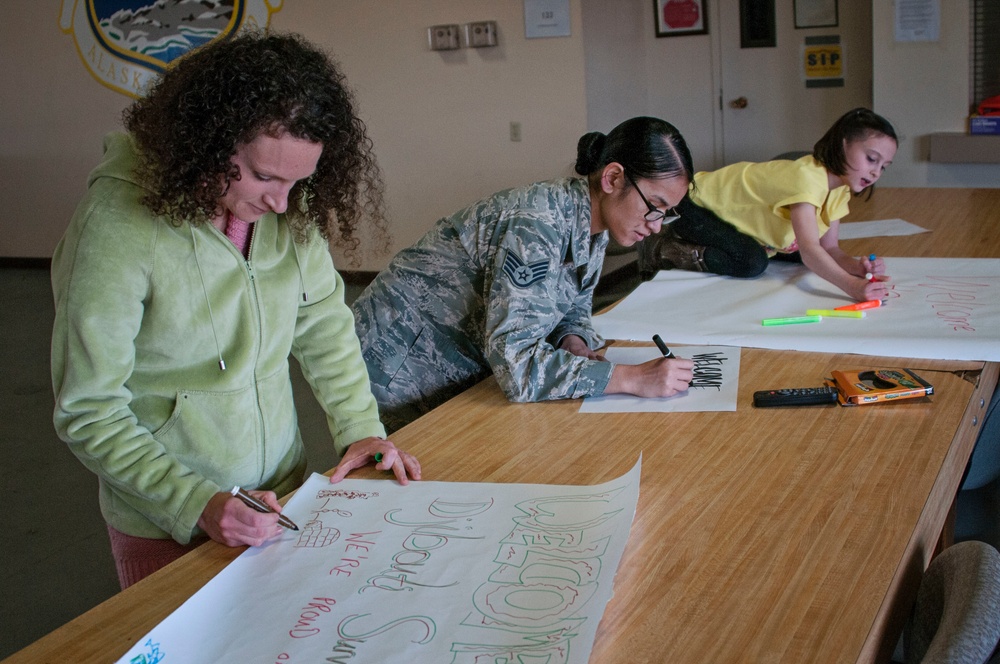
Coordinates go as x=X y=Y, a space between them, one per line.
x=833 y=313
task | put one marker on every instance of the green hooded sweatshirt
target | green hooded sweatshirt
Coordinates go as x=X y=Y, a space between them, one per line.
x=148 y=313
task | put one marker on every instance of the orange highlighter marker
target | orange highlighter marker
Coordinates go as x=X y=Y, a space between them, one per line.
x=858 y=306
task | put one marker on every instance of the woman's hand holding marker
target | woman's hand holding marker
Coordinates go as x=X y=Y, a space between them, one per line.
x=666 y=352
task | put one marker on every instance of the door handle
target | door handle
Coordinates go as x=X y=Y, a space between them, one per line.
x=739 y=102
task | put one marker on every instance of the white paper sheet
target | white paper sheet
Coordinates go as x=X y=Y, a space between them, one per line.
x=939 y=308
x=713 y=388
x=917 y=20
x=430 y=572
x=854 y=230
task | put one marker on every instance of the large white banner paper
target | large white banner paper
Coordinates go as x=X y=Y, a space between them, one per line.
x=432 y=572
x=938 y=308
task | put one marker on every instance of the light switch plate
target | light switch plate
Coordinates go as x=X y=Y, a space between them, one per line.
x=481 y=34
x=443 y=37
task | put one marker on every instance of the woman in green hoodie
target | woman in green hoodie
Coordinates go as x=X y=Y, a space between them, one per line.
x=196 y=263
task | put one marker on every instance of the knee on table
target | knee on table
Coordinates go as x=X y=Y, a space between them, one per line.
x=751 y=266
x=742 y=265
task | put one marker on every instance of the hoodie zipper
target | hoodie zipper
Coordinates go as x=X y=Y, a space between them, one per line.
x=255 y=301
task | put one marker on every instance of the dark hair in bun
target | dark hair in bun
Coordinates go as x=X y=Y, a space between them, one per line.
x=647 y=147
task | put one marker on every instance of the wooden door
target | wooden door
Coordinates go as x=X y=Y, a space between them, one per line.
x=765 y=106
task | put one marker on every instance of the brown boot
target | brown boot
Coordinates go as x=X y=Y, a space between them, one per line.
x=666 y=251
x=680 y=255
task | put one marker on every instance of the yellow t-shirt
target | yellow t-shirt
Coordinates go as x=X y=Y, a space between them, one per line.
x=755 y=198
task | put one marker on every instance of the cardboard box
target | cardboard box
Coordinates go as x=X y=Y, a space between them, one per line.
x=868 y=386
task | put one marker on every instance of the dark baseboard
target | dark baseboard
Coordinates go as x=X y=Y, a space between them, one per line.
x=22 y=263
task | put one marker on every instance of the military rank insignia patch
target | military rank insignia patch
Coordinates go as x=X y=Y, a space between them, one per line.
x=523 y=274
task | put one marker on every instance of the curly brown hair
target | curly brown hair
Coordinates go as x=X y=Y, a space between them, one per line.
x=226 y=93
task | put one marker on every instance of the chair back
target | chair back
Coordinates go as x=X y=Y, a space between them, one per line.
x=957 y=615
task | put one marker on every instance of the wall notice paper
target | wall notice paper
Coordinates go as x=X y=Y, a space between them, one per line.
x=713 y=386
x=917 y=20
x=430 y=572
x=938 y=308
x=854 y=230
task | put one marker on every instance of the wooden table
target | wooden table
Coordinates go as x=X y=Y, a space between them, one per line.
x=791 y=535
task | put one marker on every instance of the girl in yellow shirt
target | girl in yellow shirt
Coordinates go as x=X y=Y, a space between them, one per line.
x=736 y=218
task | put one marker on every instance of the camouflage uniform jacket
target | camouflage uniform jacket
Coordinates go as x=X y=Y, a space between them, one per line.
x=492 y=288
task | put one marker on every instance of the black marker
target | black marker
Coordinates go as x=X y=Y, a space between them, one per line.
x=667 y=353
x=250 y=501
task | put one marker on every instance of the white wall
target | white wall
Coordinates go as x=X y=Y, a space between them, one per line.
x=923 y=88
x=53 y=115
x=632 y=72
x=440 y=121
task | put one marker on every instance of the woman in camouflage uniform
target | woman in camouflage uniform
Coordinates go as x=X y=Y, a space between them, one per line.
x=505 y=286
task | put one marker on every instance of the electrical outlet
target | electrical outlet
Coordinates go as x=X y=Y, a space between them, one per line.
x=483 y=33
x=515 y=131
x=443 y=37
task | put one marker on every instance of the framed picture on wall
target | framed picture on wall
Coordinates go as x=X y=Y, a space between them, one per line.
x=680 y=17
x=816 y=14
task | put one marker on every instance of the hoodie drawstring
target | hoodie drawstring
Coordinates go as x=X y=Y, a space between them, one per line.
x=204 y=288
x=298 y=264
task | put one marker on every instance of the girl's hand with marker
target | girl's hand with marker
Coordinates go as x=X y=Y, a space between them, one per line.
x=871 y=289
x=874 y=274
x=661 y=377
x=402 y=464
x=229 y=521
x=872 y=264
x=823 y=255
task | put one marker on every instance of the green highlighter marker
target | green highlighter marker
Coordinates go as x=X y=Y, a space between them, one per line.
x=378 y=457
x=794 y=320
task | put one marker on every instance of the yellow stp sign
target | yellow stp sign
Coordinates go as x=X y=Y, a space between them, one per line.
x=823 y=60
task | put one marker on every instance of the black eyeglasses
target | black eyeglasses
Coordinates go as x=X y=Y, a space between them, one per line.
x=655 y=213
